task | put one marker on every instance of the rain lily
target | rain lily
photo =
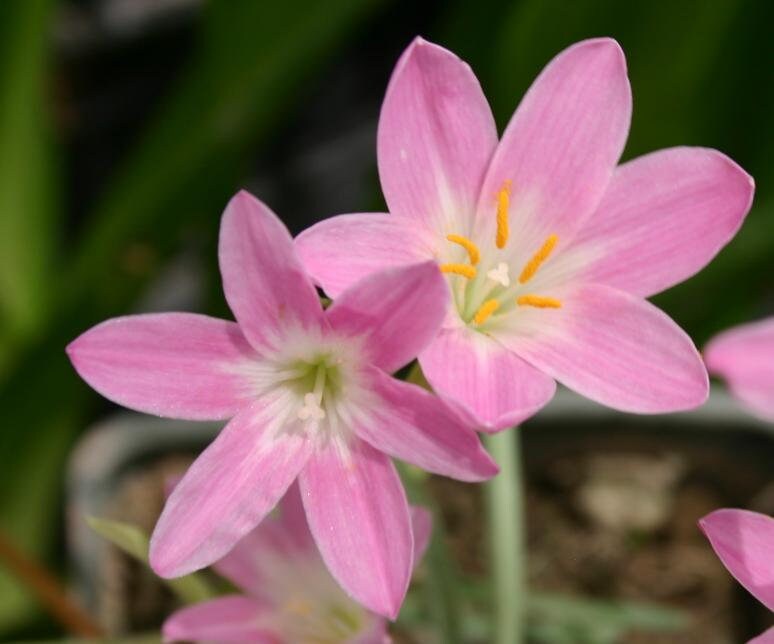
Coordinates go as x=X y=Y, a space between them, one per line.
x=548 y=247
x=744 y=357
x=744 y=542
x=309 y=397
x=288 y=596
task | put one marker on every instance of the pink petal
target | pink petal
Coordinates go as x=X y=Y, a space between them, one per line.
x=744 y=357
x=422 y=527
x=562 y=145
x=178 y=365
x=495 y=385
x=663 y=218
x=263 y=280
x=612 y=347
x=339 y=251
x=359 y=517
x=233 y=484
x=409 y=423
x=233 y=618
x=282 y=537
x=436 y=136
x=292 y=521
x=764 y=638
x=744 y=542
x=394 y=313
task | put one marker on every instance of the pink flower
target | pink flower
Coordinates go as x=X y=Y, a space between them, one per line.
x=550 y=249
x=309 y=396
x=288 y=594
x=744 y=542
x=744 y=357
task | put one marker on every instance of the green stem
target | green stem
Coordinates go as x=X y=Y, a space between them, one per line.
x=505 y=512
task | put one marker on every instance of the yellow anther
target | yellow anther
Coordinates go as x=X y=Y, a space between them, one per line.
x=466 y=270
x=467 y=245
x=538 y=301
x=486 y=309
x=503 y=203
x=532 y=266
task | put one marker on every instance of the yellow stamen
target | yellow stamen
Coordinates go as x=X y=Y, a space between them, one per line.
x=466 y=270
x=532 y=266
x=503 y=202
x=538 y=301
x=467 y=245
x=486 y=309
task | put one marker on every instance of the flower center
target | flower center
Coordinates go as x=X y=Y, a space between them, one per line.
x=320 y=620
x=480 y=297
x=314 y=386
x=311 y=607
x=312 y=409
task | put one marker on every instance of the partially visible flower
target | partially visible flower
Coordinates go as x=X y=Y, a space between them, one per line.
x=549 y=248
x=310 y=397
x=744 y=542
x=744 y=357
x=288 y=596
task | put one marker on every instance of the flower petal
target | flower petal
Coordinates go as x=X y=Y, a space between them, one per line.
x=764 y=638
x=359 y=517
x=744 y=357
x=422 y=527
x=562 y=145
x=744 y=542
x=664 y=216
x=263 y=280
x=436 y=136
x=233 y=484
x=395 y=313
x=611 y=347
x=233 y=618
x=339 y=251
x=178 y=365
x=409 y=423
x=284 y=537
x=495 y=385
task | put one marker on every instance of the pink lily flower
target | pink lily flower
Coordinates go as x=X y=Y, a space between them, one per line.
x=309 y=397
x=549 y=248
x=744 y=357
x=288 y=595
x=744 y=542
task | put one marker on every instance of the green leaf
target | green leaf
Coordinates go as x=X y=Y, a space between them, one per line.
x=27 y=200
x=556 y=619
x=32 y=477
x=133 y=541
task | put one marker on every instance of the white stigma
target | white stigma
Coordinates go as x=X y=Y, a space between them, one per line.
x=500 y=274
x=311 y=409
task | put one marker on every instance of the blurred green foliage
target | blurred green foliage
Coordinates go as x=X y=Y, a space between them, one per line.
x=252 y=61
x=700 y=73
x=28 y=196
